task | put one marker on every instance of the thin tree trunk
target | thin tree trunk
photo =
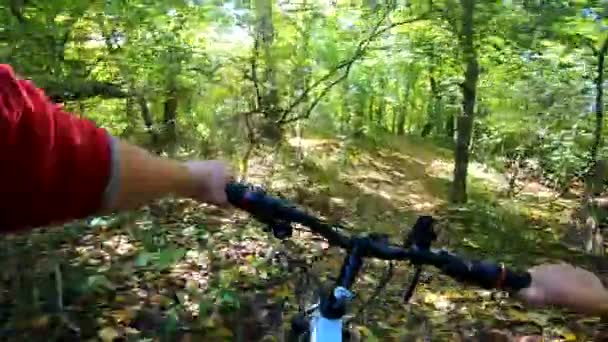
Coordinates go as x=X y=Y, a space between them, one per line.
x=599 y=103
x=404 y=106
x=465 y=121
x=148 y=122
x=433 y=107
x=402 y=114
x=381 y=106
x=449 y=126
x=170 y=115
x=370 y=109
x=265 y=34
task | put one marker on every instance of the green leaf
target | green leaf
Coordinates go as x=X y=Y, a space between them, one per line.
x=169 y=256
x=229 y=299
x=171 y=323
x=144 y=258
x=99 y=283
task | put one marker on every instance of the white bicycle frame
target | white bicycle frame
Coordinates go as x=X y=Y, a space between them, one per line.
x=323 y=329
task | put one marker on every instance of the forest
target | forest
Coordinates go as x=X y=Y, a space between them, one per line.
x=488 y=115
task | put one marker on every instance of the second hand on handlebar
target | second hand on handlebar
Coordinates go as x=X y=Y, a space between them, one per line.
x=271 y=210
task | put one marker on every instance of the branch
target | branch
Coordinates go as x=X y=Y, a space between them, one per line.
x=15 y=8
x=62 y=92
x=347 y=64
x=315 y=102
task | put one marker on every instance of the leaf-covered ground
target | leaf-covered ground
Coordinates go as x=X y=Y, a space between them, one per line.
x=179 y=271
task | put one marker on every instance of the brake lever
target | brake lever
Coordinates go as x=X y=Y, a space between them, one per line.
x=421 y=236
x=281 y=230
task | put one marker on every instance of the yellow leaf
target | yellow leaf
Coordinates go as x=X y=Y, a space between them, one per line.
x=124 y=316
x=212 y=320
x=223 y=332
x=40 y=322
x=282 y=291
x=269 y=338
x=365 y=332
x=470 y=243
x=518 y=315
x=108 y=334
x=191 y=285
x=430 y=297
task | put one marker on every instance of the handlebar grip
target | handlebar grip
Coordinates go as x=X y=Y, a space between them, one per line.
x=236 y=193
x=517 y=281
x=255 y=201
x=487 y=275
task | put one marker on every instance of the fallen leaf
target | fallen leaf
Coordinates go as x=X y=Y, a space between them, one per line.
x=569 y=336
x=108 y=334
x=223 y=332
x=282 y=291
x=41 y=322
x=124 y=316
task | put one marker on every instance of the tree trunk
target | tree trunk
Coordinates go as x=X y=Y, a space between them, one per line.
x=394 y=121
x=370 y=109
x=170 y=115
x=449 y=126
x=403 y=110
x=465 y=121
x=599 y=104
x=597 y=171
x=401 y=120
x=380 y=109
x=433 y=113
x=594 y=208
x=148 y=122
x=265 y=35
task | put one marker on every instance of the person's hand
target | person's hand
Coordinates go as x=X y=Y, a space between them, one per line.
x=210 y=178
x=566 y=286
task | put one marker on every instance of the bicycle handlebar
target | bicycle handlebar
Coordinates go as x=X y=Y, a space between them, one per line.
x=281 y=214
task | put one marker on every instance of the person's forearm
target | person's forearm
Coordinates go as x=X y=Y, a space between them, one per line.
x=140 y=177
x=592 y=303
x=55 y=166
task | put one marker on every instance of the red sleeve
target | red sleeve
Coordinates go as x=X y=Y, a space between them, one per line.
x=54 y=166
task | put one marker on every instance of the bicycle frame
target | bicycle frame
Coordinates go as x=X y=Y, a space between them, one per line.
x=324 y=330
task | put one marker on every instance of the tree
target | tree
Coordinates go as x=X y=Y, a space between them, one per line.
x=469 y=89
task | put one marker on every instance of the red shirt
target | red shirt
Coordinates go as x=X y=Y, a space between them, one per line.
x=54 y=166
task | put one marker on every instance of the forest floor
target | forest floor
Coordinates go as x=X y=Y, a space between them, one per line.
x=179 y=271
